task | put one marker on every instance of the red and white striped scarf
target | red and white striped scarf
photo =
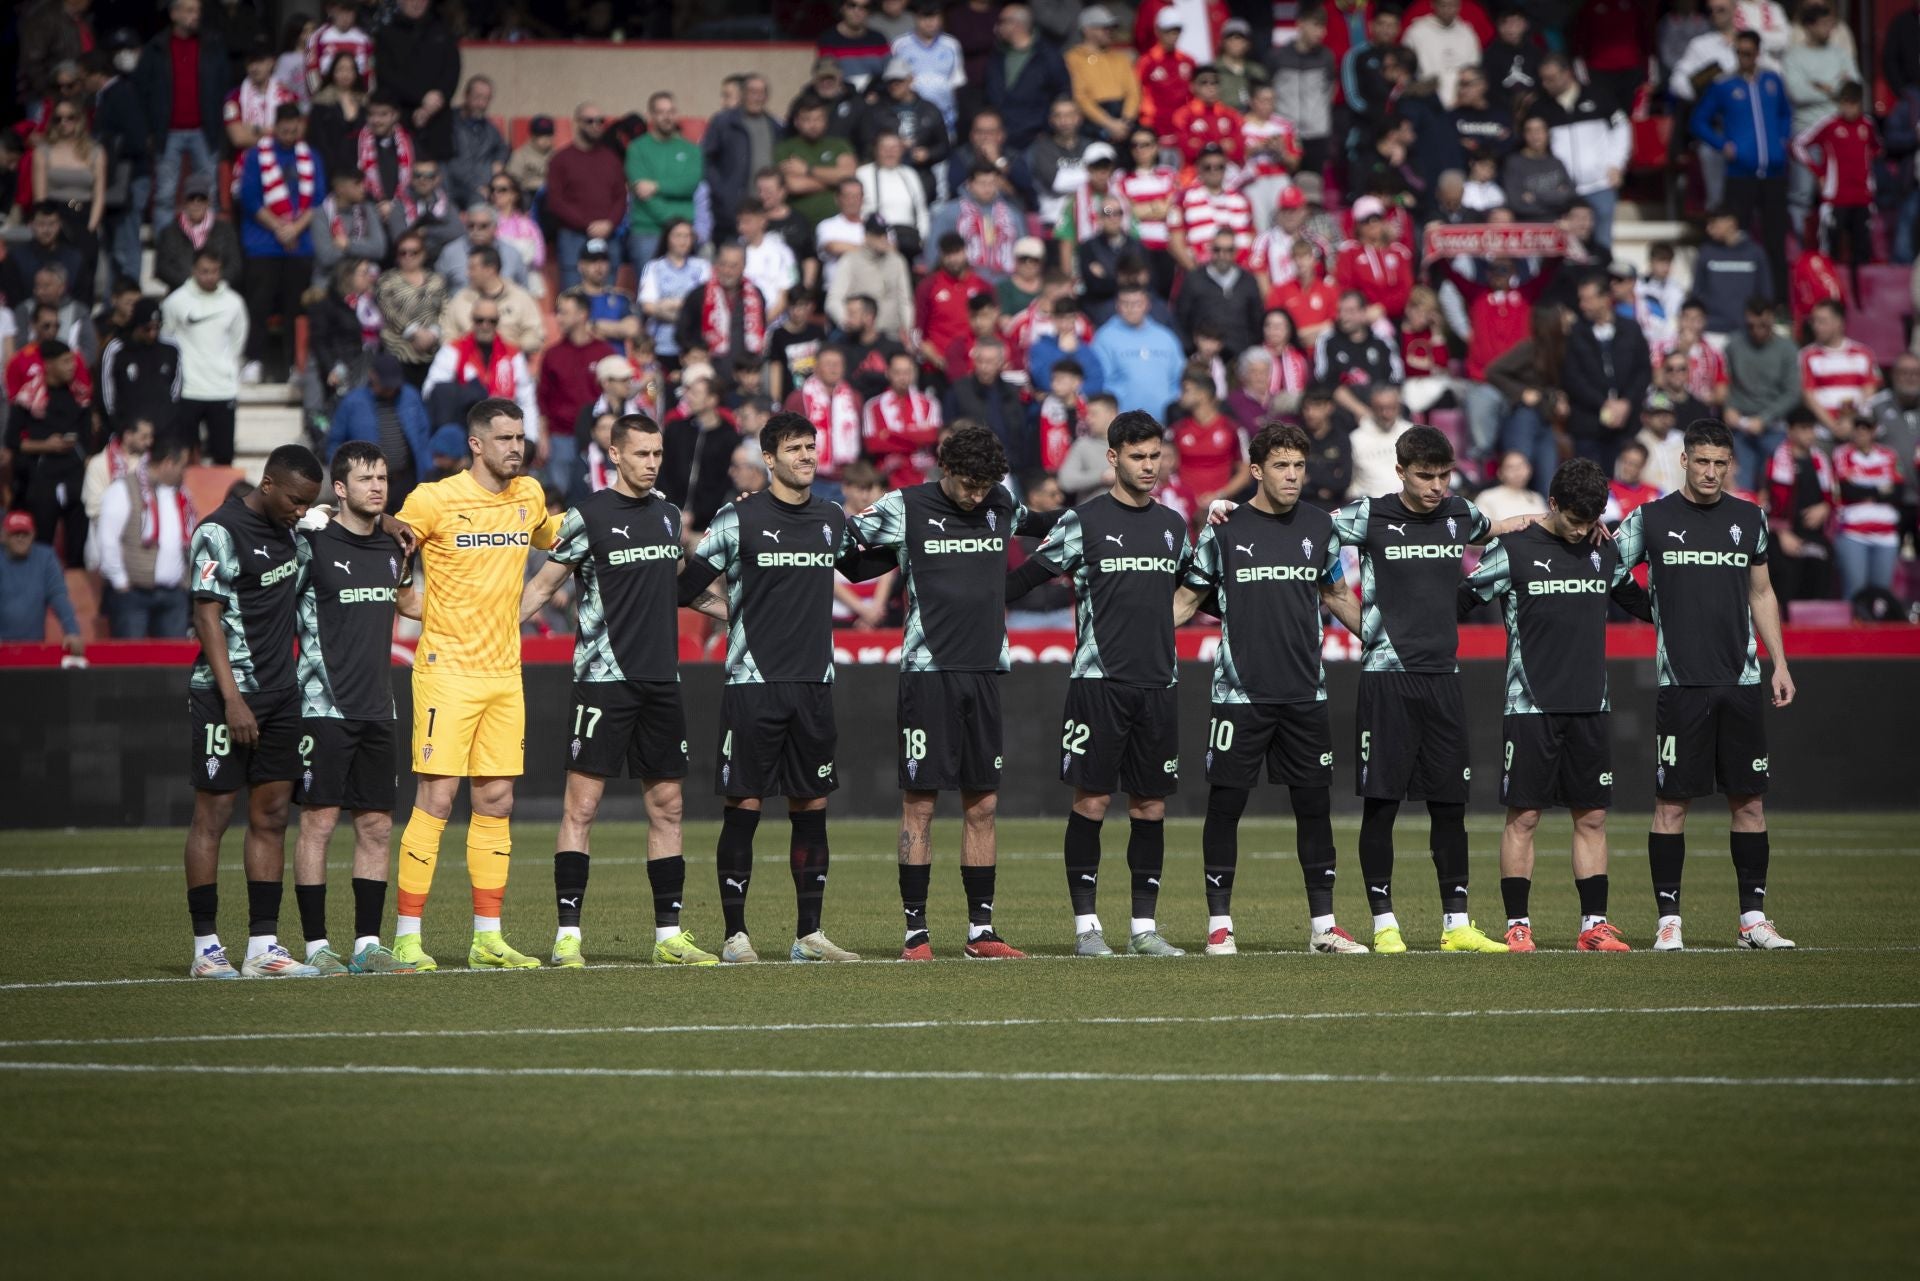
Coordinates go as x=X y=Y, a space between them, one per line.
x=990 y=235
x=274 y=192
x=1780 y=472
x=1289 y=371
x=599 y=470
x=366 y=309
x=150 y=509
x=1059 y=424
x=835 y=414
x=494 y=370
x=368 y=159
x=716 y=318
x=197 y=232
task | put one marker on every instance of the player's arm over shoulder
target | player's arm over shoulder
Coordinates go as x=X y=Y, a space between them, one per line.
x=1350 y=522
x=1493 y=575
x=545 y=526
x=422 y=510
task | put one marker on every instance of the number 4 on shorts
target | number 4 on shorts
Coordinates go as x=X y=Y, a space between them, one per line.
x=1667 y=746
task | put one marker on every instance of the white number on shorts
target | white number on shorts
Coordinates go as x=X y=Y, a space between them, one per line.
x=1509 y=754
x=726 y=745
x=592 y=717
x=1075 y=739
x=916 y=744
x=1366 y=744
x=1669 y=750
x=306 y=749
x=1220 y=734
x=218 y=744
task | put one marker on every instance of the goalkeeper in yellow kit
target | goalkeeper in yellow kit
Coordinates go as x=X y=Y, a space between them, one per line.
x=474 y=531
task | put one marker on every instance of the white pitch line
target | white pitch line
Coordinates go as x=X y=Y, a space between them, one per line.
x=1246 y=954
x=914 y=1025
x=990 y=1078
x=1016 y=856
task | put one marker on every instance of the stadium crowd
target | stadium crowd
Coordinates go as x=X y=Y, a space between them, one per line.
x=1354 y=216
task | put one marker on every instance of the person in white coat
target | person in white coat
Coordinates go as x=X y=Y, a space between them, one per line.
x=207 y=320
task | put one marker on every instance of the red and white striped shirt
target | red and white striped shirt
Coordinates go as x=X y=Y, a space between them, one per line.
x=1839 y=379
x=1255 y=136
x=329 y=42
x=252 y=105
x=1150 y=194
x=900 y=430
x=1203 y=213
x=1706 y=368
x=1869 y=519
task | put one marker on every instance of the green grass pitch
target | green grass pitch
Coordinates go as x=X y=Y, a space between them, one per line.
x=1266 y=1115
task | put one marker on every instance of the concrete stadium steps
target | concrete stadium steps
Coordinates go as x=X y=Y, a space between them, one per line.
x=268 y=417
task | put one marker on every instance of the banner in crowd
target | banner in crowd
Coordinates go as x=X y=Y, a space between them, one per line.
x=1496 y=240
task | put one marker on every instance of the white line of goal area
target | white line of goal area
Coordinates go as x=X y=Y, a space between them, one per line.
x=171 y=863
x=988 y=1078
x=921 y=1025
x=1246 y=954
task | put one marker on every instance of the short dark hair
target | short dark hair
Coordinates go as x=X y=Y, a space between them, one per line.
x=488 y=255
x=1423 y=446
x=1746 y=37
x=952 y=242
x=1067 y=365
x=293 y=460
x=1834 y=305
x=1693 y=302
x=782 y=427
x=1760 y=305
x=208 y=253
x=973 y=453
x=1134 y=427
x=1801 y=416
x=1710 y=433
x=491 y=408
x=1277 y=435
x=353 y=454
x=628 y=423
x=1103 y=398
x=287 y=111
x=1633 y=445
x=1579 y=489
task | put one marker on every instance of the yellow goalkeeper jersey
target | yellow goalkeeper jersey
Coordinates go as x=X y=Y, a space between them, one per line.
x=473 y=551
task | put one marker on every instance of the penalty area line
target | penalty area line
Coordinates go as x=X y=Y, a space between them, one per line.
x=988 y=1078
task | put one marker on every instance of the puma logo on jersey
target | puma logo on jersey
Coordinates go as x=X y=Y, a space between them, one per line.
x=1546 y=564
x=1399 y=529
x=344 y=567
x=1244 y=547
x=1118 y=540
x=620 y=530
x=261 y=551
x=774 y=534
x=939 y=523
x=1678 y=536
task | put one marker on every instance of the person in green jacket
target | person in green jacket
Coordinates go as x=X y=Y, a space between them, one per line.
x=664 y=169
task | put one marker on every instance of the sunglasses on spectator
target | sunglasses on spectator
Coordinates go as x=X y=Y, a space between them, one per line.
x=593 y=120
x=486 y=320
x=426 y=175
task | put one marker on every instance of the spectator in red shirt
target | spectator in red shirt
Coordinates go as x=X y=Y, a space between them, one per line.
x=1841 y=153
x=586 y=193
x=1165 y=78
x=1205 y=119
x=1308 y=297
x=1380 y=267
x=182 y=78
x=1213 y=445
x=568 y=383
x=1612 y=37
x=983 y=321
x=902 y=425
x=941 y=302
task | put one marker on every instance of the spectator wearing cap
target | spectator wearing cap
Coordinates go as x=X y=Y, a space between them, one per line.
x=448 y=449
x=1375 y=264
x=877 y=271
x=986 y=222
x=1081 y=214
x=1306 y=79
x=1026 y=79
x=1199 y=22
x=350 y=225
x=1240 y=72
x=938 y=65
x=419 y=63
x=31 y=584
x=479 y=152
x=481 y=225
x=897 y=109
x=140 y=373
x=845 y=106
x=520 y=320
x=739 y=143
x=47 y=246
x=1204 y=121
x=1020 y=288
x=1223 y=295
x=146 y=520
x=1166 y=75
x=852 y=46
x=620 y=394
x=1058 y=161
x=1105 y=87
x=182 y=77
x=388 y=412
x=1207 y=206
x=614 y=318
x=894 y=193
x=1445 y=45
x=529 y=162
x=942 y=302
x=586 y=194
x=207 y=320
x=664 y=171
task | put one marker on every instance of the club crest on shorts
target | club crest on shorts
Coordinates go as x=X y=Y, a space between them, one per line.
x=1453 y=527
x=213 y=766
x=1660 y=776
x=1066 y=763
x=826 y=534
x=726 y=773
x=1168 y=535
x=306 y=780
x=993 y=521
x=1209 y=760
x=1734 y=533
x=576 y=749
x=1595 y=558
x=426 y=753
x=913 y=770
